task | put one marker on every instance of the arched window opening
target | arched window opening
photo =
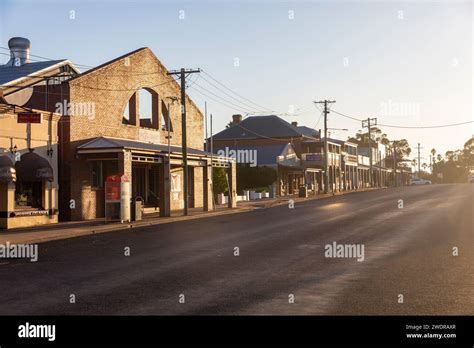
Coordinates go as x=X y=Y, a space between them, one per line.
x=166 y=118
x=142 y=109
x=145 y=101
x=130 y=111
x=126 y=114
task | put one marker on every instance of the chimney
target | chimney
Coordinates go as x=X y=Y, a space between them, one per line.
x=19 y=51
x=237 y=118
x=294 y=123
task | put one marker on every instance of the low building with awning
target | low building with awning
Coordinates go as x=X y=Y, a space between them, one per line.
x=156 y=172
x=28 y=167
x=7 y=170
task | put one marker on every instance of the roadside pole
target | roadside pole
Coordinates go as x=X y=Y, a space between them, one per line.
x=212 y=169
x=368 y=124
x=326 y=165
x=181 y=73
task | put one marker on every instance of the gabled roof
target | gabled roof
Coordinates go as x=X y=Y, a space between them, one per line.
x=115 y=143
x=266 y=154
x=309 y=132
x=173 y=81
x=254 y=127
x=107 y=63
x=9 y=73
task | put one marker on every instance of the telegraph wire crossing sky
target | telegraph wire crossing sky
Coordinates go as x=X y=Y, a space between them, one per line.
x=406 y=63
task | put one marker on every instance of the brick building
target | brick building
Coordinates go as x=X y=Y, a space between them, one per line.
x=115 y=120
x=28 y=142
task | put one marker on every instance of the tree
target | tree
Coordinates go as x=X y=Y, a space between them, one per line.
x=375 y=133
x=449 y=155
x=433 y=153
x=456 y=164
x=254 y=177
x=219 y=181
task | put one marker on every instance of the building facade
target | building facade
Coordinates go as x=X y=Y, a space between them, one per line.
x=122 y=118
x=28 y=167
x=277 y=144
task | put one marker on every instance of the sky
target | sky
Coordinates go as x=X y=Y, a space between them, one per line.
x=405 y=63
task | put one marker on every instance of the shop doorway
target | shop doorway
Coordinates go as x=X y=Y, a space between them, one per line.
x=145 y=184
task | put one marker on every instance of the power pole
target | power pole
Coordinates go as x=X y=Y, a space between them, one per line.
x=368 y=124
x=212 y=169
x=419 y=170
x=326 y=112
x=205 y=119
x=394 y=149
x=183 y=73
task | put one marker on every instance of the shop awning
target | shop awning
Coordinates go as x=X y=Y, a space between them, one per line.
x=33 y=167
x=103 y=143
x=7 y=169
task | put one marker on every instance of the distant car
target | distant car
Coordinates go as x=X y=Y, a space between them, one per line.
x=470 y=179
x=418 y=181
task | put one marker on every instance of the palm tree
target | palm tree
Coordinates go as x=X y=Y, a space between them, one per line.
x=424 y=165
x=433 y=153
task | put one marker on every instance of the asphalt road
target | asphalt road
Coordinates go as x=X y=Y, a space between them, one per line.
x=408 y=251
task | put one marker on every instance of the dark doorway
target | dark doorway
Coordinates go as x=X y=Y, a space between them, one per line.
x=191 y=187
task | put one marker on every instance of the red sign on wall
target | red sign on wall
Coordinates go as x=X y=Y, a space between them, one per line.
x=28 y=117
x=112 y=187
x=112 y=191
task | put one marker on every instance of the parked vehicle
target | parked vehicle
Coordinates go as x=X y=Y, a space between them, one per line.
x=470 y=179
x=419 y=181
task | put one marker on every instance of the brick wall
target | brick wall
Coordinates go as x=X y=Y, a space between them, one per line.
x=109 y=89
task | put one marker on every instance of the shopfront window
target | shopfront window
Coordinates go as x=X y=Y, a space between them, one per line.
x=97 y=174
x=29 y=195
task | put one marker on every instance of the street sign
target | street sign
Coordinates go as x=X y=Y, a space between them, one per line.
x=313 y=157
x=28 y=117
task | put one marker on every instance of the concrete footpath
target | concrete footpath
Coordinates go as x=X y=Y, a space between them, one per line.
x=64 y=230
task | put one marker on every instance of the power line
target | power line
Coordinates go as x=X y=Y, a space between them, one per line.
x=258 y=105
x=217 y=96
x=229 y=95
x=217 y=100
x=88 y=67
x=407 y=127
x=89 y=87
x=246 y=106
x=320 y=116
x=192 y=82
x=261 y=135
x=45 y=58
x=343 y=115
x=427 y=127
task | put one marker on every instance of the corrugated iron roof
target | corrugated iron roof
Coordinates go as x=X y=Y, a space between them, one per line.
x=270 y=126
x=10 y=73
x=266 y=154
x=112 y=143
